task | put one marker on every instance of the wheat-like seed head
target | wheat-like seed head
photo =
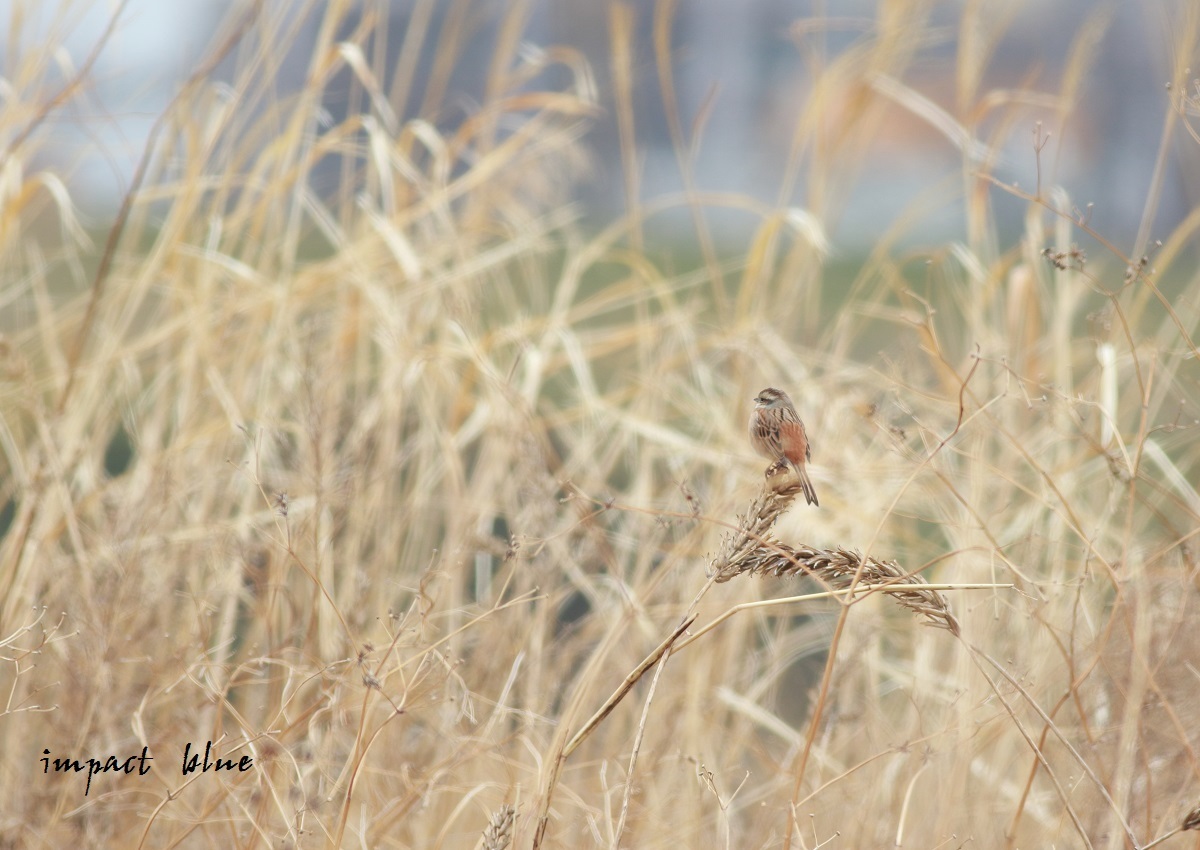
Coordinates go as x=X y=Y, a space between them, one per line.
x=498 y=834
x=751 y=549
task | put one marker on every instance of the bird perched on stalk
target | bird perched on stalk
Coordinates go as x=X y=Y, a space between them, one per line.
x=777 y=434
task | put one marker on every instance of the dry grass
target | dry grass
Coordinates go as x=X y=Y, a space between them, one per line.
x=752 y=551
x=420 y=473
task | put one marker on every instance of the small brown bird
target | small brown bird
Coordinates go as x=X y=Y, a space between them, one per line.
x=777 y=433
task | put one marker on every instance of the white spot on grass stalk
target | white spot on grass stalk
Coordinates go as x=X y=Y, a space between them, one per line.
x=1108 y=392
x=807 y=225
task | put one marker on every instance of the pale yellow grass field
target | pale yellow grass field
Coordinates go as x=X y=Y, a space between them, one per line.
x=422 y=471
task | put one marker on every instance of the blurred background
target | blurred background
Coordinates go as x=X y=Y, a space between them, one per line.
x=742 y=70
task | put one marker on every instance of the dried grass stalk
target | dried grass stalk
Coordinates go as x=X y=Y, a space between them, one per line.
x=752 y=550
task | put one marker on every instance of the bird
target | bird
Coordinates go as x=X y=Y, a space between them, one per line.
x=777 y=434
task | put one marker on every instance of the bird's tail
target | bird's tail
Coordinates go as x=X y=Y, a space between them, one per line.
x=810 y=495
